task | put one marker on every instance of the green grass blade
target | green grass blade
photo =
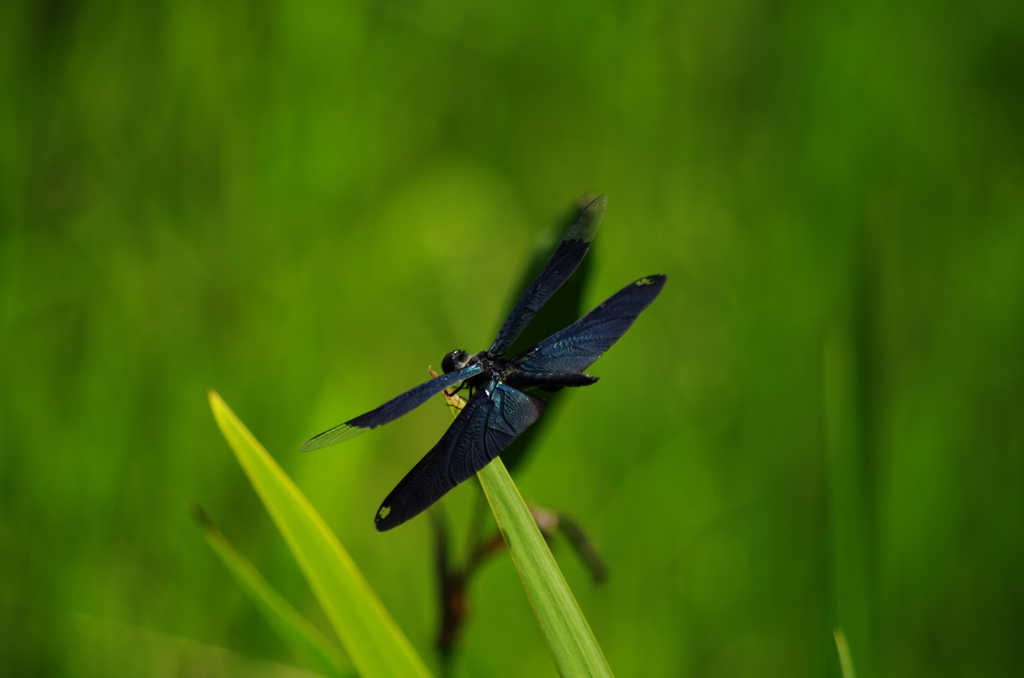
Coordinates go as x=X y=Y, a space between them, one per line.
x=372 y=640
x=847 y=496
x=293 y=628
x=567 y=633
x=845 y=660
x=563 y=309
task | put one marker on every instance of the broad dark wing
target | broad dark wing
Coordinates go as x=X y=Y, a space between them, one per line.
x=389 y=411
x=564 y=260
x=491 y=420
x=576 y=347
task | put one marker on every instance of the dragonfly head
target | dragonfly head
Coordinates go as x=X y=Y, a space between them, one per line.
x=455 y=360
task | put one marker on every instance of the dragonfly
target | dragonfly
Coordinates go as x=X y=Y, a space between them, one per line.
x=499 y=407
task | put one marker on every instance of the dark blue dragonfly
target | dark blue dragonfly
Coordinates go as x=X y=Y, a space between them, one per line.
x=499 y=408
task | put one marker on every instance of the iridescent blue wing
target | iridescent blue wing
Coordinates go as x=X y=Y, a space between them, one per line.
x=564 y=260
x=491 y=420
x=389 y=411
x=576 y=347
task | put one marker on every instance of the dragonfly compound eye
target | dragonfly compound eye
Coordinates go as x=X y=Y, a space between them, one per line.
x=448 y=362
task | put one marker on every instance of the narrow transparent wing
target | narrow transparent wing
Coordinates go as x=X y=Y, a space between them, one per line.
x=576 y=347
x=564 y=260
x=491 y=420
x=389 y=411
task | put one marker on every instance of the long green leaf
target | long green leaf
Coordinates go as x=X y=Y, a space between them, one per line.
x=294 y=629
x=562 y=310
x=847 y=495
x=567 y=633
x=375 y=644
x=845 y=660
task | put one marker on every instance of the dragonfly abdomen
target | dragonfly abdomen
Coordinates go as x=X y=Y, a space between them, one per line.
x=549 y=381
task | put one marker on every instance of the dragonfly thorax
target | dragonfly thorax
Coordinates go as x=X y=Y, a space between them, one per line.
x=491 y=367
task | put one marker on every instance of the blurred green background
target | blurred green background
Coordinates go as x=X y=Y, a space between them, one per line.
x=302 y=205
